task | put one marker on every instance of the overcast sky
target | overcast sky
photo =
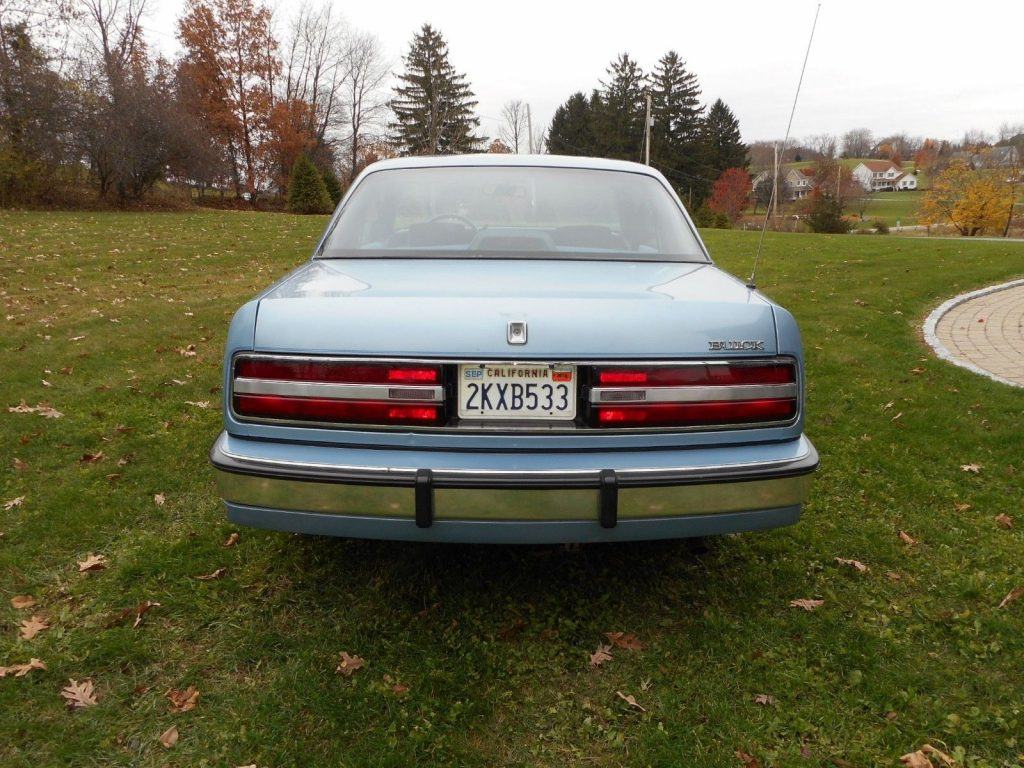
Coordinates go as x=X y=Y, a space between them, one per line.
x=928 y=68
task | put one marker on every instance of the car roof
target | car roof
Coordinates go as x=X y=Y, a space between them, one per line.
x=521 y=161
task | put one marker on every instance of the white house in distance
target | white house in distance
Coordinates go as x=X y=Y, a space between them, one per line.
x=883 y=175
x=800 y=182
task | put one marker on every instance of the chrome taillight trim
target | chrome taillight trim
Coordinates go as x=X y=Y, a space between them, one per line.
x=697 y=394
x=405 y=393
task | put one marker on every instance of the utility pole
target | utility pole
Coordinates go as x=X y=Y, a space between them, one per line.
x=647 y=132
x=775 y=182
x=529 y=128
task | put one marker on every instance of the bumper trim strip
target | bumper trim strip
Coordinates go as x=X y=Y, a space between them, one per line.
x=424 y=498
x=609 y=498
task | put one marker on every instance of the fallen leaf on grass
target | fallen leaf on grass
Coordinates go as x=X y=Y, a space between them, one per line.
x=624 y=640
x=348 y=665
x=920 y=759
x=764 y=700
x=807 y=605
x=600 y=656
x=399 y=688
x=92 y=563
x=231 y=540
x=855 y=564
x=42 y=409
x=78 y=695
x=749 y=761
x=629 y=700
x=22 y=601
x=199 y=403
x=32 y=627
x=92 y=458
x=19 y=464
x=907 y=539
x=189 y=351
x=159 y=499
x=1014 y=594
x=960 y=506
x=183 y=701
x=169 y=737
x=17 y=502
x=20 y=670
x=894 y=576
x=142 y=609
x=1004 y=521
x=972 y=468
x=211 y=576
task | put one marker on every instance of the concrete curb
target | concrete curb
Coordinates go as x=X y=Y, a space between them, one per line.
x=940 y=349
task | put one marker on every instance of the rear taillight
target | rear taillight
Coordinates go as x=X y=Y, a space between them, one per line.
x=698 y=394
x=338 y=391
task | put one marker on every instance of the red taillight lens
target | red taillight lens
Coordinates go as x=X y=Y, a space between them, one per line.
x=697 y=375
x=323 y=409
x=697 y=394
x=696 y=414
x=338 y=372
x=334 y=391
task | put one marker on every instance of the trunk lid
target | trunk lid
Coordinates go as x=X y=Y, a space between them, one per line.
x=458 y=308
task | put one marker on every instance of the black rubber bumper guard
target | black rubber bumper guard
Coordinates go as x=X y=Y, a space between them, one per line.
x=608 y=506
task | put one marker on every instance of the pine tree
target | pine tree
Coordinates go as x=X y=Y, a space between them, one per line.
x=333 y=185
x=306 y=190
x=676 y=112
x=619 y=116
x=572 y=130
x=723 y=147
x=433 y=104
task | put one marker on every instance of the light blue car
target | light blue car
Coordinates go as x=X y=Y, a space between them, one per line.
x=510 y=349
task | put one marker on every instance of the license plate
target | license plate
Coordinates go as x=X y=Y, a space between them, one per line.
x=522 y=391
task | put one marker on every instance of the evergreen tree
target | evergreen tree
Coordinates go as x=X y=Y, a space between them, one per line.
x=306 y=190
x=722 y=145
x=433 y=104
x=333 y=185
x=619 y=114
x=572 y=130
x=676 y=112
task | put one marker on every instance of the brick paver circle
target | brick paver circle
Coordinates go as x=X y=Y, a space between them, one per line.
x=983 y=331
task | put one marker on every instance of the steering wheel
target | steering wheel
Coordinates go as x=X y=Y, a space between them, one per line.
x=454 y=217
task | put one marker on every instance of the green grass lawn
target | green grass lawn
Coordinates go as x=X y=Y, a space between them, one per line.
x=478 y=656
x=891 y=207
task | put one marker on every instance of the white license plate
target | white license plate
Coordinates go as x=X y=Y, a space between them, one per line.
x=520 y=391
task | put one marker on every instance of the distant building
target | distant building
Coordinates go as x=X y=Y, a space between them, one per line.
x=883 y=176
x=800 y=182
x=990 y=157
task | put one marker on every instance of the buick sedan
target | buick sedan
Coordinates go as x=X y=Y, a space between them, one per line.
x=508 y=349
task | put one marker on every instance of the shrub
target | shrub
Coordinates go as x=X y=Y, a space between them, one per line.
x=880 y=227
x=307 y=192
x=333 y=186
x=705 y=218
x=825 y=215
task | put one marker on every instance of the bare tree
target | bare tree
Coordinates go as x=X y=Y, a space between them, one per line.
x=858 y=142
x=824 y=145
x=364 y=95
x=513 y=129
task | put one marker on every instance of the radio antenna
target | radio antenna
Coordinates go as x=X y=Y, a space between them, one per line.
x=771 y=200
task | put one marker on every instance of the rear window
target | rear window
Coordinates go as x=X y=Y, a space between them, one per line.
x=496 y=212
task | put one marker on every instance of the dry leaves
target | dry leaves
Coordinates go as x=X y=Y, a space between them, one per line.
x=1014 y=594
x=625 y=641
x=43 y=409
x=20 y=670
x=972 y=468
x=749 y=761
x=169 y=737
x=32 y=627
x=198 y=403
x=211 y=576
x=142 y=609
x=22 y=601
x=231 y=540
x=907 y=539
x=630 y=700
x=399 y=688
x=78 y=695
x=189 y=351
x=348 y=665
x=961 y=506
x=92 y=563
x=183 y=701
x=855 y=564
x=1004 y=521
x=19 y=464
x=17 y=502
x=92 y=458
x=600 y=656
x=764 y=700
x=920 y=758
x=807 y=605
x=159 y=499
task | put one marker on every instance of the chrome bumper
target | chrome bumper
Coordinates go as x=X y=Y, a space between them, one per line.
x=448 y=496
